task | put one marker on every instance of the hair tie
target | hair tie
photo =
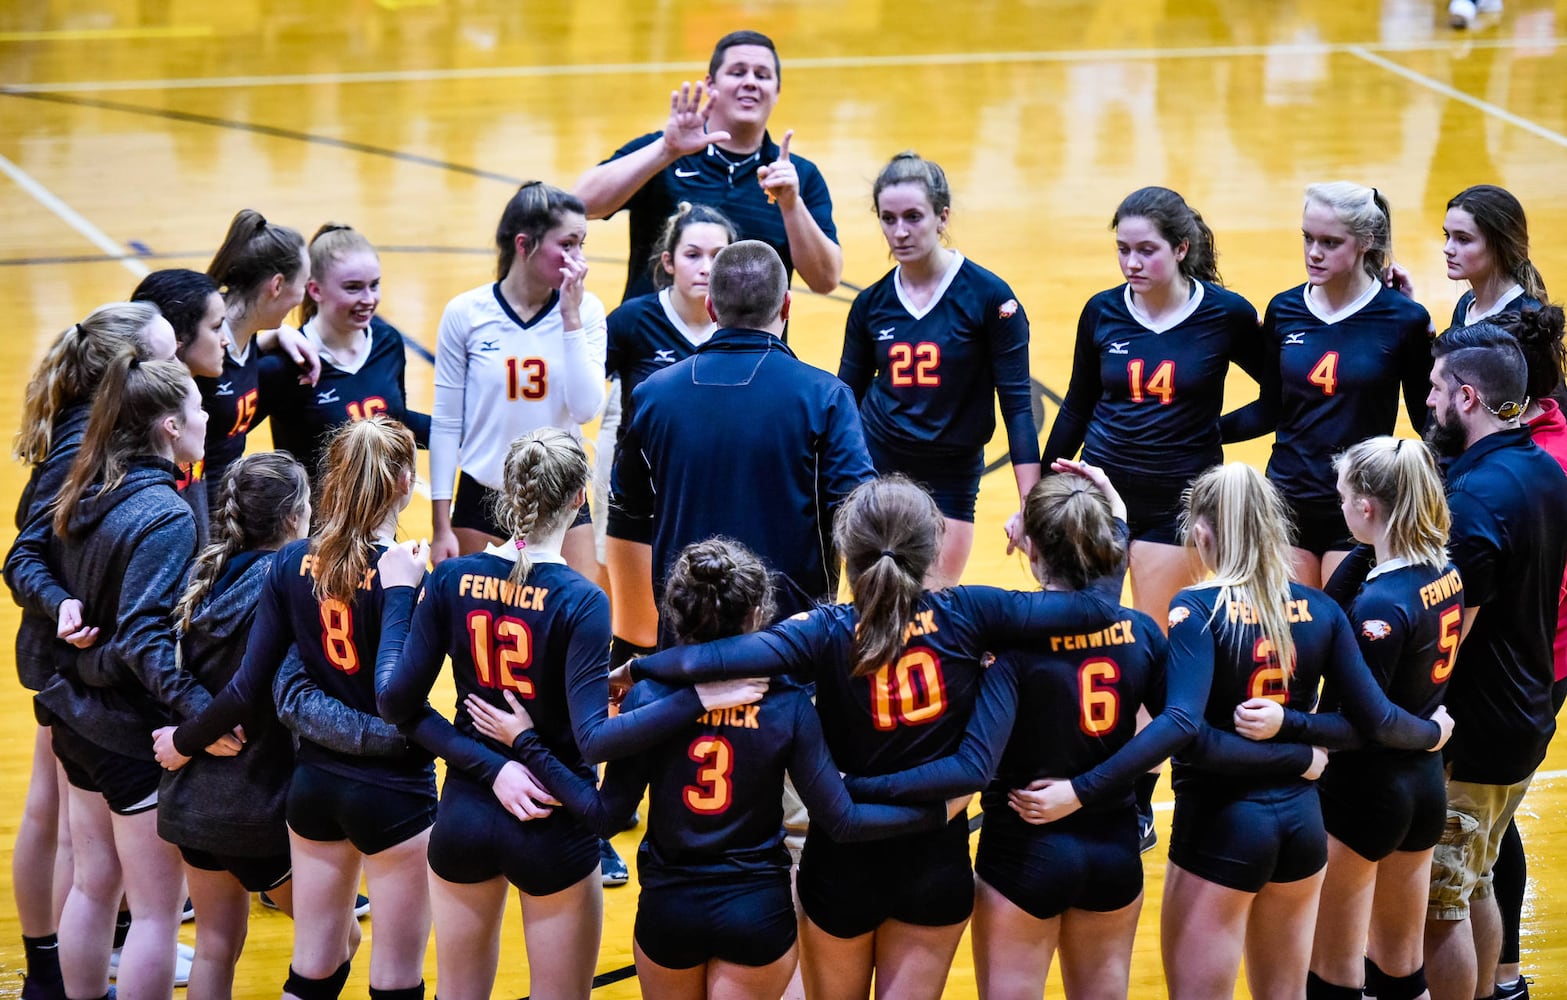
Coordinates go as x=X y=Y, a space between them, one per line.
x=521 y=543
x=889 y=554
x=1399 y=446
x=1374 y=194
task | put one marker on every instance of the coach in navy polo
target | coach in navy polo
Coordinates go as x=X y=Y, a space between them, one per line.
x=744 y=440
x=1509 y=541
x=721 y=155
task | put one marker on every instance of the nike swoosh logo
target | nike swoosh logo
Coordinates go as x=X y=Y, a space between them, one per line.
x=685 y=173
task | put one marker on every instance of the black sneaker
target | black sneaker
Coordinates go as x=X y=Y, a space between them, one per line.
x=611 y=866
x=1518 y=989
x=1147 y=836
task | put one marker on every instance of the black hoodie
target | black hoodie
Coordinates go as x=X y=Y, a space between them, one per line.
x=125 y=559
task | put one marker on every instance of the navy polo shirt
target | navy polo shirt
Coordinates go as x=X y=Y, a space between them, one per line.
x=1509 y=542
x=720 y=180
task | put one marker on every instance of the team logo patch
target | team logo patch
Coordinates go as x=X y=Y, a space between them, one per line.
x=1008 y=309
x=1375 y=629
x=1178 y=615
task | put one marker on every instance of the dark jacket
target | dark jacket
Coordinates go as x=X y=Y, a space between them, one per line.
x=27 y=571
x=125 y=558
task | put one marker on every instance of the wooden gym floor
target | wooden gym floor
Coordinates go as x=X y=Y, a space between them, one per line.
x=130 y=133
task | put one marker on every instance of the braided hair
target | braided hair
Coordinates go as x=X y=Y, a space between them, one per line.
x=546 y=472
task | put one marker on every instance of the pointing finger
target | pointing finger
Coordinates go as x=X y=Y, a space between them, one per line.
x=783 y=147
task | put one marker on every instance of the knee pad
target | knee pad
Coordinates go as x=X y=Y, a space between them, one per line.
x=407 y=993
x=1403 y=987
x=317 y=989
x=1318 y=988
x=621 y=650
x=1376 y=979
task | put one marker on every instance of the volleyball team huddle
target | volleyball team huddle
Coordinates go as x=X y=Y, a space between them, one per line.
x=232 y=654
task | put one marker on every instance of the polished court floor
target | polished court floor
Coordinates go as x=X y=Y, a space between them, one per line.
x=130 y=132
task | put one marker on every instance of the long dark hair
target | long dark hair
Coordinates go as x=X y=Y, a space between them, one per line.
x=253 y=252
x=889 y=532
x=532 y=212
x=1178 y=223
x=1499 y=217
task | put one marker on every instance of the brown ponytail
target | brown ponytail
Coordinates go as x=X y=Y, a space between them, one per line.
x=1178 y=223
x=367 y=466
x=130 y=401
x=1072 y=531
x=545 y=472
x=263 y=495
x=253 y=251
x=888 y=532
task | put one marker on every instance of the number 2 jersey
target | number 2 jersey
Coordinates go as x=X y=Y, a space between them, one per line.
x=1144 y=399
x=1219 y=658
x=337 y=641
x=716 y=787
x=1331 y=381
x=546 y=640
x=915 y=709
x=925 y=377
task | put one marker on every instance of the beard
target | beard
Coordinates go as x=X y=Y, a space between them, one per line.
x=1447 y=440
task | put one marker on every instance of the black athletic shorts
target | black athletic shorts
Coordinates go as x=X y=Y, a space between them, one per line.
x=1244 y=842
x=922 y=878
x=747 y=919
x=1377 y=803
x=1087 y=861
x=953 y=482
x=1153 y=506
x=476 y=839
x=1319 y=526
x=326 y=806
x=128 y=784
x=473 y=508
x=255 y=874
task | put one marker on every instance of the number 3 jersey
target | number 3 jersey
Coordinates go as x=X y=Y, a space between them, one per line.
x=925 y=377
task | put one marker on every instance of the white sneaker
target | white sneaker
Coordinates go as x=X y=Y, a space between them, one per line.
x=1461 y=13
x=184 y=955
x=1489 y=6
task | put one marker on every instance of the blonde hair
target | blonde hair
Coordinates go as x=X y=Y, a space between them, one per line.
x=363 y=482
x=262 y=497
x=889 y=532
x=1072 y=531
x=74 y=366
x=332 y=243
x=545 y=471
x=1365 y=212
x=1402 y=478
x=1250 y=557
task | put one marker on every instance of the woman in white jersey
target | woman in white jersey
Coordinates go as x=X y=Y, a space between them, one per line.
x=522 y=353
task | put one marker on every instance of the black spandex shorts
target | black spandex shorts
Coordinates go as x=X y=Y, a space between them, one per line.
x=473 y=508
x=1153 y=506
x=476 y=839
x=255 y=874
x=326 y=806
x=953 y=482
x=128 y=784
x=1377 y=803
x=744 y=919
x=1088 y=861
x=1245 y=842
x=1319 y=526
x=922 y=878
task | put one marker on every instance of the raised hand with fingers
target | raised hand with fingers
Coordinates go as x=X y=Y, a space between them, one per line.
x=686 y=131
x=779 y=178
x=573 y=274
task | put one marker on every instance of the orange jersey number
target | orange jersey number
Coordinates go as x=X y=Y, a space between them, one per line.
x=1324 y=374
x=713 y=791
x=1100 y=701
x=501 y=661
x=337 y=636
x=527 y=378
x=910 y=692
x=1447 y=644
x=1161 y=384
x=914 y=364
x=1267 y=681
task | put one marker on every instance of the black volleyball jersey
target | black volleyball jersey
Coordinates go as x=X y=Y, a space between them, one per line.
x=925 y=377
x=546 y=640
x=1076 y=710
x=645 y=336
x=234 y=407
x=1217 y=650
x=337 y=641
x=304 y=416
x=916 y=708
x=1329 y=382
x=716 y=788
x=1147 y=401
x=1513 y=300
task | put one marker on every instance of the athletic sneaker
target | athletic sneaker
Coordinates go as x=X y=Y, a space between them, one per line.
x=1147 y=836
x=361 y=904
x=611 y=867
x=34 y=988
x=1462 y=13
x=1518 y=989
x=189 y=913
x=184 y=954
